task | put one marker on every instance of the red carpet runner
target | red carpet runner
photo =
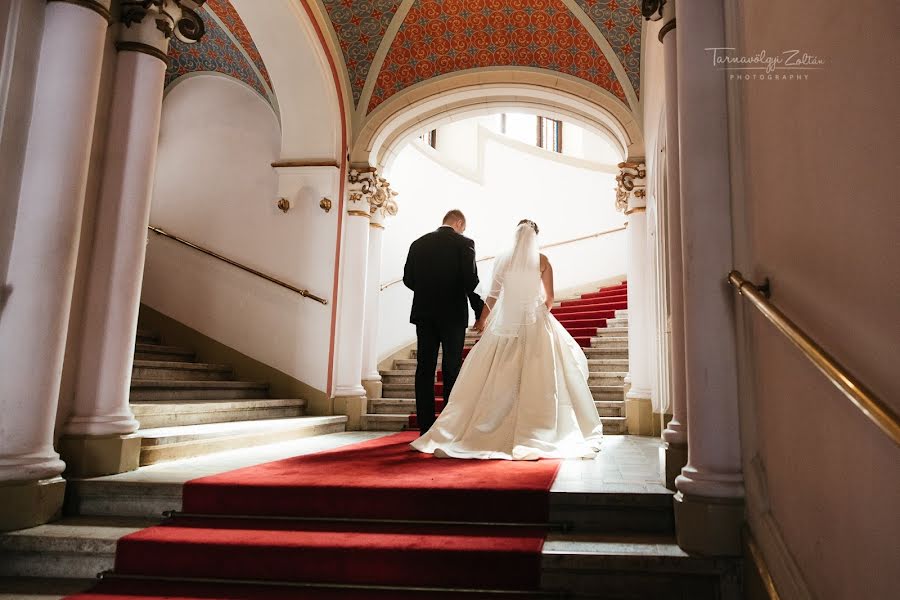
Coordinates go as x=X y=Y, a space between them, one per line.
x=580 y=317
x=381 y=479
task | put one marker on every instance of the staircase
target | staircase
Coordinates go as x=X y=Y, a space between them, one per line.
x=599 y=323
x=188 y=408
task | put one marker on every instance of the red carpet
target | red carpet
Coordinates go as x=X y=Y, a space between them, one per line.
x=379 y=479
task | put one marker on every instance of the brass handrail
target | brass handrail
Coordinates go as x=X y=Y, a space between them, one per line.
x=304 y=293
x=553 y=245
x=867 y=402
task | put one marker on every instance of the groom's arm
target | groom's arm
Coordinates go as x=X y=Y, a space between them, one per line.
x=408 y=271
x=471 y=277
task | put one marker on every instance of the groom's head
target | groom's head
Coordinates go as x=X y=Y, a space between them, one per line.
x=456 y=220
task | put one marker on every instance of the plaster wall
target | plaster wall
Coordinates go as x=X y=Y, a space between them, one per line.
x=814 y=164
x=216 y=188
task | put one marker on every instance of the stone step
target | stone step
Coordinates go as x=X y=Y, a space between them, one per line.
x=145 y=336
x=634 y=565
x=608 y=392
x=605 y=365
x=399 y=422
x=161 y=352
x=612 y=332
x=607 y=379
x=609 y=341
x=176 y=413
x=186 y=371
x=172 y=443
x=149 y=389
x=73 y=547
x=408 y=376
x=406 y=406
x=616 y=323
x=614 y=352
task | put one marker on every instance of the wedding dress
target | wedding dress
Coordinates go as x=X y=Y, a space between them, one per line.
x=522 y=393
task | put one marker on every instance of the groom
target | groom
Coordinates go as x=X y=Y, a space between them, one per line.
x=440 y=270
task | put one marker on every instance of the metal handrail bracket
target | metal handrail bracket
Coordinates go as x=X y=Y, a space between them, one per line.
x=304 y=293
x=875 y=409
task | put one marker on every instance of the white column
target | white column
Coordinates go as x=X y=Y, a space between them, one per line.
x=631 y=197
x=383 y=205
x=349 y=394
x=101 y=402
x=709 y=502
x=675 y=433
x=35 y=312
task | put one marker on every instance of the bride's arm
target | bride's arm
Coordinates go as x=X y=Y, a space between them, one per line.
x=547 y=280
x=491 y=300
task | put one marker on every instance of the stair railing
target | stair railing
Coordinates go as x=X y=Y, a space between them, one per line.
x=875 y=409
x=304 y=293
x=384 y=286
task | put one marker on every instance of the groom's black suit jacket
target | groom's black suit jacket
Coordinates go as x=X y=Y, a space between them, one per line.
x=440 y=270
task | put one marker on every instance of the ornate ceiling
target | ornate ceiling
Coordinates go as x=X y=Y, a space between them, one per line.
x=389 y=45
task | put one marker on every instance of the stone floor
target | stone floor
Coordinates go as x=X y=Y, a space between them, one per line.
x=625 y=465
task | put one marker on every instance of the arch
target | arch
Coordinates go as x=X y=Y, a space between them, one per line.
x=313 y=113
x=455 y=96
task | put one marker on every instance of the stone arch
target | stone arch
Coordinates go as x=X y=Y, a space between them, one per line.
x=467 y=94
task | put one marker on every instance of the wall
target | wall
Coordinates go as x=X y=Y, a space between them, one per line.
x=814 y=169
x=215 y=187
x=567 y=197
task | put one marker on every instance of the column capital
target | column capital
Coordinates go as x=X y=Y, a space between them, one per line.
x=382 y=204
x=652 y=10
x=148 y=25
x=361 y=185
x=631 y=188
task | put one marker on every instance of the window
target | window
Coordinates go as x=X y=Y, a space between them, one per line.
x=549 y=134
x=430 y=138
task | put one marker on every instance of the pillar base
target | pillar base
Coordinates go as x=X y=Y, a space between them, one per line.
x=676 y=458
x=709 y=526
x=354 y=407
x=96 y=455
x=373 y=388
x=30 y=503
x=638 y=414
x=658 y=423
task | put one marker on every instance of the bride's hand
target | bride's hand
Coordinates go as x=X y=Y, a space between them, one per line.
x=479 y=325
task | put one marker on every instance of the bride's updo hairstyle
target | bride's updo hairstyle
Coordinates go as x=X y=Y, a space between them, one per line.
x=531 y=223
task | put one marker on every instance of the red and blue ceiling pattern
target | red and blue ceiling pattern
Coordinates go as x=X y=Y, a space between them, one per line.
x=226 y=48
x=443 y=36
x=360 y=26
x=620 y=23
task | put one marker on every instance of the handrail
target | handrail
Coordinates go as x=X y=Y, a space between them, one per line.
x=553 y=245
x=868 y=403
x=304 y=293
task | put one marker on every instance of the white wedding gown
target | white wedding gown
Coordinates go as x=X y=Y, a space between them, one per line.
x=522 y=393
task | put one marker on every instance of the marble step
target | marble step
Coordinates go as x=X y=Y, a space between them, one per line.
x=617 y=323
x=609 y=341
x=144 y=351
x=409 y=375
x=607 y=379
x=176 y=413
x=150 y=389
x=635 y=565
x=398 y=422
x=612 y=332
x=173 y=443
x=145 y=336
x=608 y=392
x=405 y=406
x=605 y=365
x=175 y=370
x=606 y=352
x=73 y=547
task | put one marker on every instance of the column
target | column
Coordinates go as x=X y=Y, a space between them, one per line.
x=709 y=501
x=34 y=313
x=675 y=433
x=99 y=435
x=349 y=396
x=383 y=206
x=631 y=198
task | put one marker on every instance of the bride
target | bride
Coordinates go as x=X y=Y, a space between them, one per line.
x=522 y=393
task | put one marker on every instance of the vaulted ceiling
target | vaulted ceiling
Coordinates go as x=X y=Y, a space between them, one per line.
x=390 y=45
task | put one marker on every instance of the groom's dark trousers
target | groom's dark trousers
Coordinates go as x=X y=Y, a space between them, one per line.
x=440 y=270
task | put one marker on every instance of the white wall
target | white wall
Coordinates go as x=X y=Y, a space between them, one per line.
x=566 y=196
x=215 y=187
x=815 y=167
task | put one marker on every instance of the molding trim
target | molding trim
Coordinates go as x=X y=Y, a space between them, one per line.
x=669 y=26
x=93 y=5
x=376 y=225
x=359 y=213
x=301 y=162
x=636 y=209
x=143 y=49
x=759 y=563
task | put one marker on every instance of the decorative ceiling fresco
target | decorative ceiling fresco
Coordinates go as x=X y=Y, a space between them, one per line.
x=226 y=49
x=393 y=44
